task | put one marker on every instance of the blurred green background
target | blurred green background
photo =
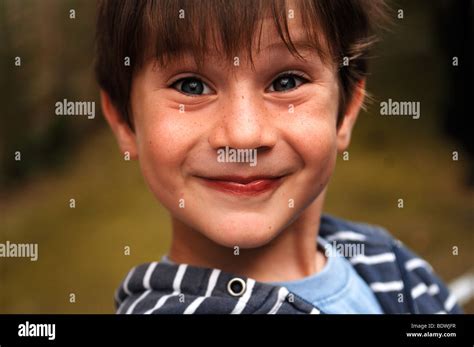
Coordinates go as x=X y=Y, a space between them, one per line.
x=81 y=250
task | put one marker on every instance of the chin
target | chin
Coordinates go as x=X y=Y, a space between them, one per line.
x=245 y=233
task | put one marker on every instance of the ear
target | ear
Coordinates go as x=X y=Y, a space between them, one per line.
x=352 y=110
x=124 y=135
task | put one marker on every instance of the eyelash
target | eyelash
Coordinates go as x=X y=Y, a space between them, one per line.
x=291 y=73
x=297 y=74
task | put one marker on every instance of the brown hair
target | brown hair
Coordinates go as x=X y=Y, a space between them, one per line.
x=141 y=29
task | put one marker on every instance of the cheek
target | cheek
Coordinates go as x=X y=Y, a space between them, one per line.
x=318 y=149
x=162 y=140
x=314 y=137
x=161 y=132
x=164 y=137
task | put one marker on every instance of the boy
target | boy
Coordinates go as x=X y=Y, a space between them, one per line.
x=236 y=111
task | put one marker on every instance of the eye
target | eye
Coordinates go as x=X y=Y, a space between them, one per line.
x=191 y=86
x=287 y=81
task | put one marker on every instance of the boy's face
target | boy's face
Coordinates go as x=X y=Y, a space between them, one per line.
x=284 y=108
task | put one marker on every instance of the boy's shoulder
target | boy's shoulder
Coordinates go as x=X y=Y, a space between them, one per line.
x=335 y=228
x=401 y=280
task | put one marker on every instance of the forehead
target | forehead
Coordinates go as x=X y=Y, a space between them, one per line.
x=227 y=32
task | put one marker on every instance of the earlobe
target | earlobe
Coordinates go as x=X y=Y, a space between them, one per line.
x=125 y=136
x=352 y=111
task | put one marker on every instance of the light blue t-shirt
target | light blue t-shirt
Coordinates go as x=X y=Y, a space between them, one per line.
x=337 y=288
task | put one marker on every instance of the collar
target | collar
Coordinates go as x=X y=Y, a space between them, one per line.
x=161 y=287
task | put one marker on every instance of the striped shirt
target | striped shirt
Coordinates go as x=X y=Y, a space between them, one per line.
x=401 y=281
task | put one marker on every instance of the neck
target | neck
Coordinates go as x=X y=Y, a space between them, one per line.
x=289 y=256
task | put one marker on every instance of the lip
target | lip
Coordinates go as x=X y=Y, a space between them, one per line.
x=238 y=185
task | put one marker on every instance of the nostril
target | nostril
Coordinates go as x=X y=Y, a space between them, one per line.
x=263 y=149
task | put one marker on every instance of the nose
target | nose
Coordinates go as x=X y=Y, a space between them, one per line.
x=243 y=123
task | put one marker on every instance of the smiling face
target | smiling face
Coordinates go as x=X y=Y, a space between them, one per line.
x=282 y=109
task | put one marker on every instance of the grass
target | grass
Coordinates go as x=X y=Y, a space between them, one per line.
x=81 y=250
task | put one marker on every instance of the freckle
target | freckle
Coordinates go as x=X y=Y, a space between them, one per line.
x=243 y=97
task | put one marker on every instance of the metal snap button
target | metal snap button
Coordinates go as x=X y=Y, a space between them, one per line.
x=236 y=286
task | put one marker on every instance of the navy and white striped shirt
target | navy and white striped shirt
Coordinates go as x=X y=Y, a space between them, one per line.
x=401 y=282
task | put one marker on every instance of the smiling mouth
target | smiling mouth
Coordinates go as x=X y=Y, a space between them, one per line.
x=238 y=185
